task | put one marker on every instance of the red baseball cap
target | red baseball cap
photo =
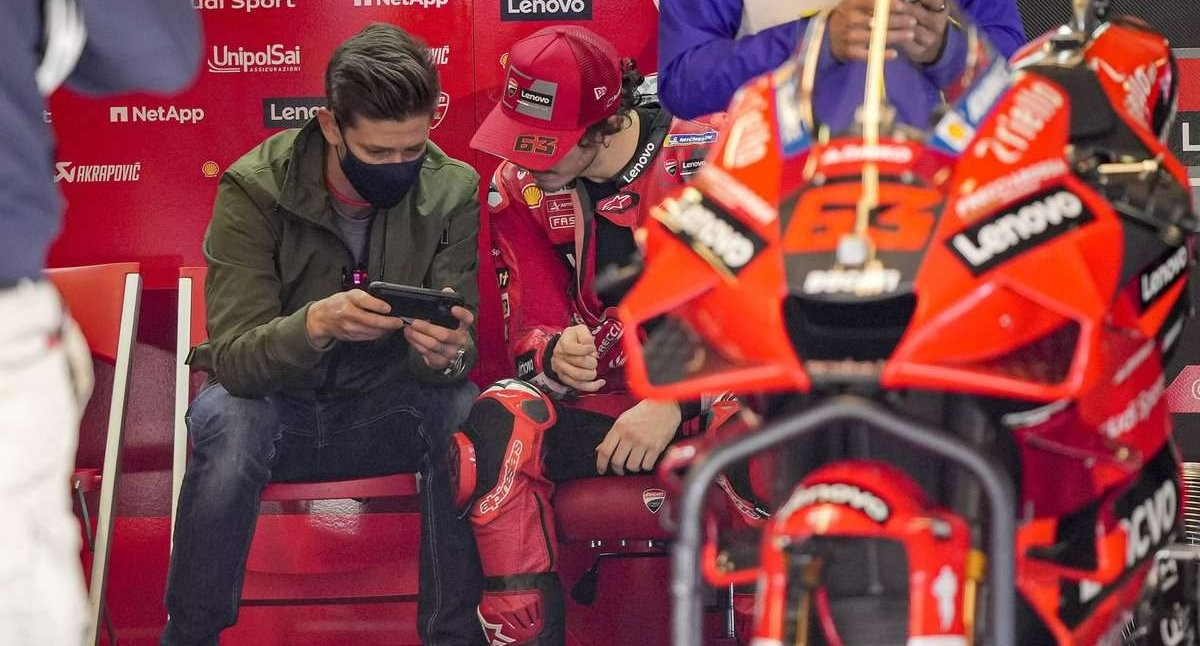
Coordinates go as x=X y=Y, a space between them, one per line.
x=560 y=81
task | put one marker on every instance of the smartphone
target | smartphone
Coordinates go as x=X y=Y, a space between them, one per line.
x=418 y=303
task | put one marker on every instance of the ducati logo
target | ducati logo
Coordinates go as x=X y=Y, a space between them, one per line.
x=653 y=499
x=671 y=166
x=439 y=113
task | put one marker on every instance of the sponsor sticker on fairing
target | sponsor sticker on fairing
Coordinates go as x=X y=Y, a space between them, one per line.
x=714 y=234
x=1010 y=188
x=1155 y=281
x=1015 y=129
x=997 y=239
x=838 y=493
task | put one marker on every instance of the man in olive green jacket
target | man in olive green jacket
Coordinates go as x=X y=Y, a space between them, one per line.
x=310 y=377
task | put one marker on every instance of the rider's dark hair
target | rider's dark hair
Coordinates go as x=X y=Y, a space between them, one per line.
x=631 y=79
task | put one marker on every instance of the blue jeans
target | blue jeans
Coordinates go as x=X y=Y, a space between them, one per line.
x=239 y=445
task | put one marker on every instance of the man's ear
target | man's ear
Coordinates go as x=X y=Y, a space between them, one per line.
x=329 y=128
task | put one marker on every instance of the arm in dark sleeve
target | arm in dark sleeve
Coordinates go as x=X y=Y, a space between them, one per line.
x=1000 y=21
x=254 y=350
x=456 y=265
x=138 y=45
x=702 y=64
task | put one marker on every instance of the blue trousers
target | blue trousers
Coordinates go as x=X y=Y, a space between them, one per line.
x=239 y=445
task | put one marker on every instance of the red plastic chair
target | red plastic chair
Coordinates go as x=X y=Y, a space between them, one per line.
x=104 y=301
x=273 y=588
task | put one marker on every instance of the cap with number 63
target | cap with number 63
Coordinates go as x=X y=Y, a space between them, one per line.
x=560 y=81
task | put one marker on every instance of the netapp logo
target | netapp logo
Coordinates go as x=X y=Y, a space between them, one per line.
x=93 y=173
x=290 y=112
x=997 y=239
x=545 y=9
x=1154 y=282
x=138 y=114
x=424 y=4
x=271 y=58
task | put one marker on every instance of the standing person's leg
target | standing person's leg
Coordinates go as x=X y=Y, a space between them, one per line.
x=402 y=428
x=233 y=448
x=41 y=583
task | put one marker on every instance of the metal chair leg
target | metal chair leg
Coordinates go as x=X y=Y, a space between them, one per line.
x=91 y=546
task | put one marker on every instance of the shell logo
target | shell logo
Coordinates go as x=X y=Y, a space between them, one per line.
x=210 y=169
x=533 y=196
x=504 y=59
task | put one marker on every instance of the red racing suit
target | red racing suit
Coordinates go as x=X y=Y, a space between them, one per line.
x=544 y=248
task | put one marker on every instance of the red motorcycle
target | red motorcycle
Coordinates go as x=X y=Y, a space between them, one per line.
x=973 y=315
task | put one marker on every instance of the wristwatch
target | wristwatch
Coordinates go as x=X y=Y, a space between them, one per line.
x=456 y=364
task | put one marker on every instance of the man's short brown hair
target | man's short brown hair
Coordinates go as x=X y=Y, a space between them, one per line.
x=381 y=73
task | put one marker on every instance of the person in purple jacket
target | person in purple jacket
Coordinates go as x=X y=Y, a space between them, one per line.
x=95 y=47
x=708 y=48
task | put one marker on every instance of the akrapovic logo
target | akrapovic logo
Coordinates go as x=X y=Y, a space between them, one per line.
x=439 y=55
x=291 y=111
x=157 y=114
x=424 y=4
x=847 y=495
x=1154 y=282
x=545 y=9
x=635 y=171
x=71 y=173
x=995 y=240
x=271 y=58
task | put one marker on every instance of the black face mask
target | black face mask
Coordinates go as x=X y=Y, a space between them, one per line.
x=383 y=185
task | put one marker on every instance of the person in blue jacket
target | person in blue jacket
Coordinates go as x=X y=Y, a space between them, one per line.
x=709 y=48
x=96 y=47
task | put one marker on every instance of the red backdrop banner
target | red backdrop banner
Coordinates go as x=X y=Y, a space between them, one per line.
x=139 y=172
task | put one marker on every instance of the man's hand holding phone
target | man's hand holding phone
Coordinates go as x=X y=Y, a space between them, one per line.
x=439 y=346
x=349 y=316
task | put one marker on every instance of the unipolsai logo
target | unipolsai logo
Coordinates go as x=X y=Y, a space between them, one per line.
x=275 y=57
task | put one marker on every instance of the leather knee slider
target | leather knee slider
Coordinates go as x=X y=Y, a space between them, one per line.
x=503 y=433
